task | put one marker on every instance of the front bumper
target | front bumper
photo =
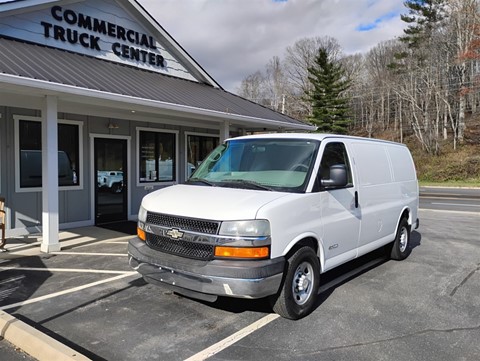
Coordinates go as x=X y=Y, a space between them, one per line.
x=242 y=279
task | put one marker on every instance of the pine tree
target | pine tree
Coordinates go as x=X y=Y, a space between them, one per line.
x=425 y=22
x=329 y=104
x=424 y=16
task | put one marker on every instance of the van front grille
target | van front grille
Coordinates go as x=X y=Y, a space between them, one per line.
x=200 y=251
x=183 y=223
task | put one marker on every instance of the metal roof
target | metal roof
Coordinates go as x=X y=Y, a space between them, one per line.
x=36 y=62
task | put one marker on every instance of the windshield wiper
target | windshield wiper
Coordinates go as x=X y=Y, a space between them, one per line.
x=201 y=180
x=248 y=183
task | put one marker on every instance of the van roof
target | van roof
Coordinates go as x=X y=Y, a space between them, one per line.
x=313 y=136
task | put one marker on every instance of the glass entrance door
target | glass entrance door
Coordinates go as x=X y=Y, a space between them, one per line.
x=111 y=180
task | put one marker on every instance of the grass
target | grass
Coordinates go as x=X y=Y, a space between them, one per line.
x=452 y=168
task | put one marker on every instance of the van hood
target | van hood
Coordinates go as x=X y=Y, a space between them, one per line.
x=214 y=203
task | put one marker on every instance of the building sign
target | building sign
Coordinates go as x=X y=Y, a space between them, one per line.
x=110 y=30
x=77 y=28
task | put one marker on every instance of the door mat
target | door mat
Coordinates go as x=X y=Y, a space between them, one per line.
x=128 y=227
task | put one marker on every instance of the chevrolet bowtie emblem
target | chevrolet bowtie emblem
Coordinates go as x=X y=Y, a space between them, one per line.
x=174 y=233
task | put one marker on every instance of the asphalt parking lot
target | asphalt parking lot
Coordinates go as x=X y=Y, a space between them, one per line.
x=87 y=298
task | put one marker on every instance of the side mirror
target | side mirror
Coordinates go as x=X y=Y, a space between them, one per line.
x=338 y=177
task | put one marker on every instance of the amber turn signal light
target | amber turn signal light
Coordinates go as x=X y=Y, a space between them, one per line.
x=242 y=252
x=141 y=234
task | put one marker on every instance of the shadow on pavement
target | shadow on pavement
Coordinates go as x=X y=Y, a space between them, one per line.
x=19 y=284
x=329 y=281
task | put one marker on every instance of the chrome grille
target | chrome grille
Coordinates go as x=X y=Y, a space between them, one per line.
x=183 y=223
x=178 y=247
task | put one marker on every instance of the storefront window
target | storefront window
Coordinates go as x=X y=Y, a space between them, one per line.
x=30 y=134
x=198 y=147
x=157 y=157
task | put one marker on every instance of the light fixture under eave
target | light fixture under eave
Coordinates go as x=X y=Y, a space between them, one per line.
x=112 y=125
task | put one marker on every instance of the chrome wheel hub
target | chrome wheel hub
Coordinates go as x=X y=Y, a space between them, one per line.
x=302 y=283
x=403 y=239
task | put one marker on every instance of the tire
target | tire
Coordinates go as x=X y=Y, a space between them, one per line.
x=298 y=293
x=117 y=188
x=400 y=249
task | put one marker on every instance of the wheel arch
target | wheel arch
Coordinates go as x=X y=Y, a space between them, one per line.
x=309 y=240
x=406 y=213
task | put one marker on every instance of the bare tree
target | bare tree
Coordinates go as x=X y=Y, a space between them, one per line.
x=252 y=88
x=375 y=105
x=354 y=66
x=463 y=28
x=276 y=84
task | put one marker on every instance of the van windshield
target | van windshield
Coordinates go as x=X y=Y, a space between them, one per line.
x=267 y=164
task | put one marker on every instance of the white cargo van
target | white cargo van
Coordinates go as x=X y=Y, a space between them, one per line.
x=265 y=215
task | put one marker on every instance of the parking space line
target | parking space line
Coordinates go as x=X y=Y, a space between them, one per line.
x=79 y=270
x=111 y=240
x=455 y=204
x=15 y=248
x=237 y=336
x=117 y=239
x=469 y=213
x=70 y=290
x=120 y=240
x=89 y=254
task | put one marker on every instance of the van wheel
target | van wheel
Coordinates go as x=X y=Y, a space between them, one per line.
x=117 y=188
x=298 y=292
x=400 y=248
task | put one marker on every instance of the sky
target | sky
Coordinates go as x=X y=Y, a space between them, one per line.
x=232 y=39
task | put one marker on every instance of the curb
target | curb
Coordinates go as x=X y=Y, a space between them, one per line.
x=34 y=342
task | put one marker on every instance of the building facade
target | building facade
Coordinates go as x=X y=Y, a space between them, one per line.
x=99 y=105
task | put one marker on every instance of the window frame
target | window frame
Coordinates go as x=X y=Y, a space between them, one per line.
x=138 y=183
x=17 y=118
x=349 y=169
x=187 y=134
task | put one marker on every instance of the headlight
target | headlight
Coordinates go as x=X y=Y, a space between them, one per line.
x=142 y=215
x=250 y=228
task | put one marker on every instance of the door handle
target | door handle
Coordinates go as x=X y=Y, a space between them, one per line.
x=356 y=199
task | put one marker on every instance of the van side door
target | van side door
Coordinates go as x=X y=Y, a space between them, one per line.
x=339 y=214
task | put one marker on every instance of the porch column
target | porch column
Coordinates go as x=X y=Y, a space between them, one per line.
x=224 y=131
x=50 y=219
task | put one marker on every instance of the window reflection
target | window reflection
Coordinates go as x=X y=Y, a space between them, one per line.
x=30 y=141
x=157 y=157
x=198 y=147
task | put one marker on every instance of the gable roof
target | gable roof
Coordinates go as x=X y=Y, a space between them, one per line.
x=130 y=7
